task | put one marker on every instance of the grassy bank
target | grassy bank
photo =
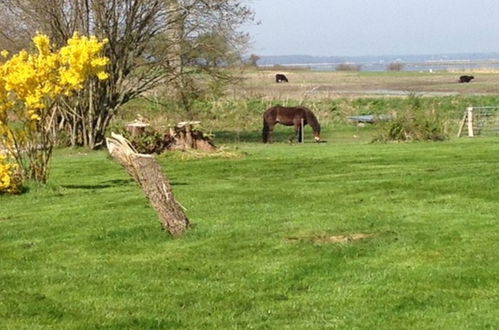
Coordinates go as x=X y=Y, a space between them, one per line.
x=240 y=120
x=87 y=251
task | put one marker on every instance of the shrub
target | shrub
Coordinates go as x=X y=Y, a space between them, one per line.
x=148 y=142
x=30 y=86
x=395 y=66
x=10 y=180
x=413 y=124
x=348 y=67
x=151 y=141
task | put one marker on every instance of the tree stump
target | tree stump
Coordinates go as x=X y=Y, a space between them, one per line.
x=137 y=128
x=186 y=137
x=146 y=171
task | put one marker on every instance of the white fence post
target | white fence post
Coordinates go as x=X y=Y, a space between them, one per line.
x=470 y=121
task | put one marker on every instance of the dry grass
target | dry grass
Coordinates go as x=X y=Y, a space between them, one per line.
x=319 y=85
x=332 y=239
x=220 y=153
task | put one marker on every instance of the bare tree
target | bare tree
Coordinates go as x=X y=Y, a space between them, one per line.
x=206 y=41
x=150 y=42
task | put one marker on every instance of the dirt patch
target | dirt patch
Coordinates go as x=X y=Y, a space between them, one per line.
x=326 y=239
x=341 y=238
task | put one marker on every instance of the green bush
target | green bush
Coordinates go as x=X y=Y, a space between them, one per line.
x=413 y=124
x=149 y=142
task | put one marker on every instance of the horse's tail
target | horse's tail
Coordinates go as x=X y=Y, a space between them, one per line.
x=314 y=123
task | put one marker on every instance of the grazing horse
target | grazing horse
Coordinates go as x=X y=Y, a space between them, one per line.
x=289 y=116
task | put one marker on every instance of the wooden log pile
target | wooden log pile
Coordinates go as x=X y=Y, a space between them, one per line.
x=183 y=136
x=186 y=136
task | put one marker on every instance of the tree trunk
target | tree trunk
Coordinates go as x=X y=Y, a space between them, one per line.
x=147 y=172
x=187 y=137
x=175 y=34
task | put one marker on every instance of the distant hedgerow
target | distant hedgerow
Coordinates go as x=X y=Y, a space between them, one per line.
x=348 y=67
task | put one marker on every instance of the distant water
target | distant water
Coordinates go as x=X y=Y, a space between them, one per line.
x=423 y=63
x=416 y=67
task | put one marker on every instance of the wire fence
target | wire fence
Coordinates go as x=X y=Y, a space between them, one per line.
x=480 y=121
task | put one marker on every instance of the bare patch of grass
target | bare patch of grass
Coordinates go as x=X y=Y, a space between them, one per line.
x=340 y=238
x=199 y=154
x=332 y=239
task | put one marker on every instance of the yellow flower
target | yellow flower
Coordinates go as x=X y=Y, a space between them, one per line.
x=29 y=83
x=42 y=43
x=102 y=75
x=35 y=116
x=9 y=180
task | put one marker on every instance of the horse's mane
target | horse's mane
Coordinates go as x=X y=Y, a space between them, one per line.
x=312 y=119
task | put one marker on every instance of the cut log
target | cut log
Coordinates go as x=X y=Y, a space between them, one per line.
x=147 y=172
x=187 y=137
x=137 y=128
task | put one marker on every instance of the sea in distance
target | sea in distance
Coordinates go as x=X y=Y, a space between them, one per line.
x=419 y=63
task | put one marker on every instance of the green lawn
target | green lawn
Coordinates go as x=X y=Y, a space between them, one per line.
x=88 y=252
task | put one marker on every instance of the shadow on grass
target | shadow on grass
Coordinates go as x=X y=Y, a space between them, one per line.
x=110 y=184
x=235 y=137
x=104 y=185
x=280 y=135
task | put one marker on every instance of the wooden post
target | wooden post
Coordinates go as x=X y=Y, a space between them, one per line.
x=469 y=111
x=461 y=125
x=147 y=172
x=302 y=133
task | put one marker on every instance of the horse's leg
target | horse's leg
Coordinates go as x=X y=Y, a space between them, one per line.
x=297 y=125
x=265 y=132
x=270 y=135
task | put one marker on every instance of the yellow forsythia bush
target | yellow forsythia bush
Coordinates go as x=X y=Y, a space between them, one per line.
x=9 y=179
x=30 y=86
x=36 y=80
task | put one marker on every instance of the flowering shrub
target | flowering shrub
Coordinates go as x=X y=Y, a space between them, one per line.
x=30 y=86
x=9 y=180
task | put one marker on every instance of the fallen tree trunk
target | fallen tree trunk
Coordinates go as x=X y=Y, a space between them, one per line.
x=147 y=172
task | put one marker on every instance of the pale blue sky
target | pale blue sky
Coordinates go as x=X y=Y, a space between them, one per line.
x=374 y=27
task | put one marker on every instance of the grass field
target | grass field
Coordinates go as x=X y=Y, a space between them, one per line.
x=311 y=85
x=343 y=234
x=333 y=96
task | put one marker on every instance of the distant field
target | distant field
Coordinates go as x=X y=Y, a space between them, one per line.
x=305 y=84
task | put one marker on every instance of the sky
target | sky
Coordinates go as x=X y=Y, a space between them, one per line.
x=374 y=27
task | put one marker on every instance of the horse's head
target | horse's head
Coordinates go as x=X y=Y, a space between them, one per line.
x=317 y=136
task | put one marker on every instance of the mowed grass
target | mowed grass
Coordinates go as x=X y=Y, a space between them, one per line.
x=87 y=251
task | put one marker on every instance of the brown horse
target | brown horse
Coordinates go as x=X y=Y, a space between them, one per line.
x=289 y=116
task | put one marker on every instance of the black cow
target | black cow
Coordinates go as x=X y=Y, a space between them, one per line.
x=465 y=79
x=280 y=78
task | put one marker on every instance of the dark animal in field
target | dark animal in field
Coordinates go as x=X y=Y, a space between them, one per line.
x=289 y=116
x=280 y=78
x=465 y=79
